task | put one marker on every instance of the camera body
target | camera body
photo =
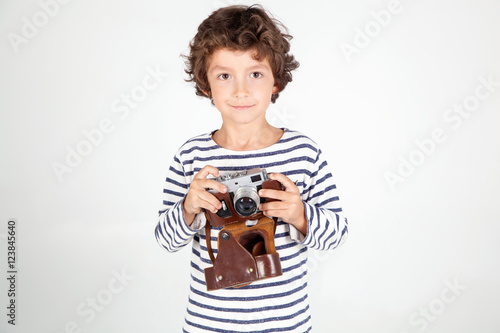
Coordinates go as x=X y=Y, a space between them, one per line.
x=241 y=201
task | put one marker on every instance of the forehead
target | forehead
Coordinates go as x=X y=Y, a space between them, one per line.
x=235 y=60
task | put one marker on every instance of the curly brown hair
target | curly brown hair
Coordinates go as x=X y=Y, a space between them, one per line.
x=241 y=28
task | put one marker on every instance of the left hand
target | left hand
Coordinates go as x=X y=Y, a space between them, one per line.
x=289 y=208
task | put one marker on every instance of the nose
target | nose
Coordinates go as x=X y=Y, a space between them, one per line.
x=241 y=88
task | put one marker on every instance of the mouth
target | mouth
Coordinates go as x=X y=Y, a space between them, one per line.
x=241 y=107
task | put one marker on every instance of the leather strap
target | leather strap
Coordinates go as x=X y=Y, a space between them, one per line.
x=208 y=239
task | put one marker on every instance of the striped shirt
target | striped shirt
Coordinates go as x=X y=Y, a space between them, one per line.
x=278 y=304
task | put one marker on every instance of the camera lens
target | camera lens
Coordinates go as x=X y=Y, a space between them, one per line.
x=245 y=206
x=246 y=201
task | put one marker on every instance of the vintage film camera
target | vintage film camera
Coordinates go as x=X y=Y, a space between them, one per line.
x=246 y=251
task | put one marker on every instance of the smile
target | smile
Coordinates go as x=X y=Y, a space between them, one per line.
x=241 y=107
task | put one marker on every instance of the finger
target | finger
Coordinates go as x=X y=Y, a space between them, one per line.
x=265 y=208
x=276 y=213
x=212 y=206
x=274 y=194
x=209 y=202
x=279 y=205
x=211 y=184
x=285 y=181
x=207 y=170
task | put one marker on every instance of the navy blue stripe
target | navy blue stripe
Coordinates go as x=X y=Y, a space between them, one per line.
x=291 y=268
x=182 y=222
x=269 y=284
x=275 y=284
x=297 y=137
x=201 y=138
x=168 y=204
x=176 y=183
x=177 y=194
x=311 y=218
x=159 y=234
x=248 y=167
x=197 y=268
x=249 y=322
x=293 y=149
x=321 y=193
x=168 y=237
x=177 y=172
x=312 y=209
x=278 y=329
x=198 y=148
x=325 y=229
x=249 y=310
x=205 y=138
x=250 y=298
x=201 y=282
x=327 y=201
x=321 y=166
x=297 y=172
x=332 y=233
x=179 y=237
x=286 y=246
x=294 y=255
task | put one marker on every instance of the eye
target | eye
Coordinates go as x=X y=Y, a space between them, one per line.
x=256 y=75
x=224 y=76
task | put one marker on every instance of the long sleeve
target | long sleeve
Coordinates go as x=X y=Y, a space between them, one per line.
x=172 y=231
x=326 y=227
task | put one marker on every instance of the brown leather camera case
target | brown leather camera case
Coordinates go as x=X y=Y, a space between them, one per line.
x=245 y=253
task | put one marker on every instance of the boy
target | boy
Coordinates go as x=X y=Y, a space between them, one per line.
x=239 y=59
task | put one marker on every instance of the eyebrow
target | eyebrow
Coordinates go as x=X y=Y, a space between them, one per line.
x=222 y=68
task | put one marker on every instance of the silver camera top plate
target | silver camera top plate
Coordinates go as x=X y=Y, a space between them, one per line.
x=253 y=177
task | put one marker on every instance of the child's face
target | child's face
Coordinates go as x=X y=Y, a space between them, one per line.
x=241 y=86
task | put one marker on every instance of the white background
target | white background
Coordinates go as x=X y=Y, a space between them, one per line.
x=436 y=227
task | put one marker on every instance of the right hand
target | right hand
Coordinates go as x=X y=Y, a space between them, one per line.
x=199 y=198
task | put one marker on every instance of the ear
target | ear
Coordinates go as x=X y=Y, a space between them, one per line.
x=276 y=88
x=208 y=94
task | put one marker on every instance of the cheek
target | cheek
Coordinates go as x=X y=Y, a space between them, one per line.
x=218 y=90
x=263 y=88
x=270 y=89
x=218 y=97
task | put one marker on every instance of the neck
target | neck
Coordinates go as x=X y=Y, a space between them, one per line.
x=246 y=137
